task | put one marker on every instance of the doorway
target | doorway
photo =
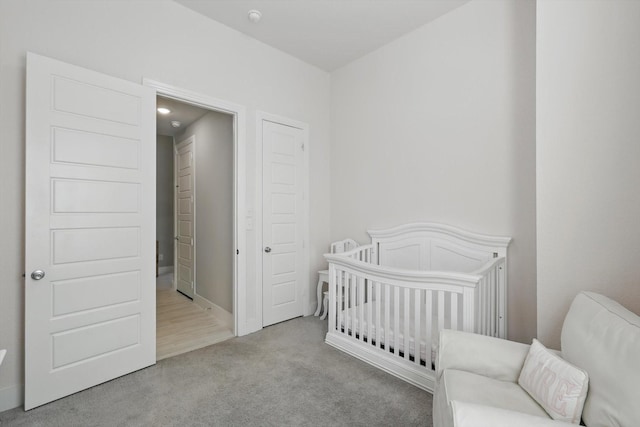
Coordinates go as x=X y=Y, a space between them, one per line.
x=194 y=226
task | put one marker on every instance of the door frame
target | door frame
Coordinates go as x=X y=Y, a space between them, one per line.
x=240 y=320
x=305 y=293
x=176 y=148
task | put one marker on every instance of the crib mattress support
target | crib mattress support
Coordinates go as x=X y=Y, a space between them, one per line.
x=409 y=372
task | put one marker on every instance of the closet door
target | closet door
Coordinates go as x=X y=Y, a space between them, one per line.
x=282 y=227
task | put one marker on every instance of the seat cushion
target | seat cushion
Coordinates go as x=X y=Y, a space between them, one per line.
x=472 y=388
x=471 y=415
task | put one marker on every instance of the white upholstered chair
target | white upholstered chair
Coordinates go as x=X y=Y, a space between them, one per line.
x=323 y=275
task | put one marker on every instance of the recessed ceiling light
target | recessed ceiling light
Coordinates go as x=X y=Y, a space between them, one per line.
x=163 y=110
x=254 y=16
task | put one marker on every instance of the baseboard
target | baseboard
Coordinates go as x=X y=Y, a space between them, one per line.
x=310 y=308
x=220 y=313
x=11 y=397
x=165 y=270
x=252 y=325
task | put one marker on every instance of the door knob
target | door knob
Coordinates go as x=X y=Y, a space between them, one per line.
x=267 y=249
x=37 y=275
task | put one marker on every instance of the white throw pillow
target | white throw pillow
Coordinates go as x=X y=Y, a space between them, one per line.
x=558 y=386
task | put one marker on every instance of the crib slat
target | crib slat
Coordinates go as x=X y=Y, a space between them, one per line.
x=396 y=319
x=360 y=294
x=476 y=302
x=337 y=289
x=483 y=308
x=494 y=302
x=354 y=304
x=387 y=316
x=406 y=307
x=440 y=311
x=428 y=321
x=417 y=336
x=487 y=301
x=454 y=311
x=468 y=309
x=378 y=299
x=347 y=302
x=369 y=311
x=488 y=308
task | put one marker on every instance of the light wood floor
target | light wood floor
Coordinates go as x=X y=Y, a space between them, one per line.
x=182 y=325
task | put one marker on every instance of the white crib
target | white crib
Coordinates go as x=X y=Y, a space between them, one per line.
x=388 y=300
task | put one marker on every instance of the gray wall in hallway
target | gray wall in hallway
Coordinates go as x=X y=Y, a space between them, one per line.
x=214 y=207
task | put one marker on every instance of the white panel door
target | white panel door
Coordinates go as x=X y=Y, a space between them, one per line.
x=282 y=216
x=185 y=210
x=90 y=228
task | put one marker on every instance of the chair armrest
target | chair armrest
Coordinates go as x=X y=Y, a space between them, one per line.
x=491 y=357
x=473 y=415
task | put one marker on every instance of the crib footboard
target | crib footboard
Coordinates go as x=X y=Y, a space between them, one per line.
x=391 y=318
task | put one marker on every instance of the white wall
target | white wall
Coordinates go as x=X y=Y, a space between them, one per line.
x=439 y=125
x=588 y=155
x=214 y=207
x=164 y=199
x=166 y=42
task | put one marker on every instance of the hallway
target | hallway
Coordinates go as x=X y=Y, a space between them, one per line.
x=182 y=325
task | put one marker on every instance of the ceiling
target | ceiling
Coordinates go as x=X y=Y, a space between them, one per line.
x=184 y=113
x=326 y=33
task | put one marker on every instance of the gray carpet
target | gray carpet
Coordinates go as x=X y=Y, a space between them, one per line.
x=284 y=375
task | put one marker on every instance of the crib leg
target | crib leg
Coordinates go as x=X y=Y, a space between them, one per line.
x=325 y=303
x=323 y=277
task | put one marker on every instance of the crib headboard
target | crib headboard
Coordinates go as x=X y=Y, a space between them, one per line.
x=435 y=247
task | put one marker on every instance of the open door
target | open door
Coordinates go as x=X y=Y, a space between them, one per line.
x=90 y=229
x=185 y=217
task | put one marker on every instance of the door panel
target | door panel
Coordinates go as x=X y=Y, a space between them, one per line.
x=282 y=227
x=185 y=194
x=93 y=149
x=90 y=226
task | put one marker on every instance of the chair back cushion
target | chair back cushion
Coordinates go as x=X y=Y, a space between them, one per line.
x=603 y=338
